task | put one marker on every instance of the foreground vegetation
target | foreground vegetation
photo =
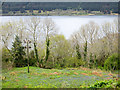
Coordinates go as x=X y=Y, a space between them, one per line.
x=59 y=78
x=36 y=42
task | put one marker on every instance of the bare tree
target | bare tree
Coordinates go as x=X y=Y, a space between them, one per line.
x=34 y=27
x=76 y=44
x=80 y=39
x=21 y=29
x=92 y=29
x=86 y=37
x=110 y=31
x=107 y=43
x=83 y=34
x=7 y=32
x=49 y=28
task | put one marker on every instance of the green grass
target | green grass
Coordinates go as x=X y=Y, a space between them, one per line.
x=53 y=78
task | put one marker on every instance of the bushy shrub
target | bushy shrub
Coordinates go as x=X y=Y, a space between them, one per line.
x=112 y=62
x=32 y=60
x=118 y=84
x=7 y=62
x=49 y=64
x=100 y=67
x=74 y=62
x=105 y=84
x=6 y=55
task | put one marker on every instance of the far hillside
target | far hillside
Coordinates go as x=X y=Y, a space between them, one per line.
x=37 y=8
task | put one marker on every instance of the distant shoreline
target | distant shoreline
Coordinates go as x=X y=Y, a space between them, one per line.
x=63 y=15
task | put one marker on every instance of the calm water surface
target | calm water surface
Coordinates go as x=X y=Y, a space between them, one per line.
x=66 y=24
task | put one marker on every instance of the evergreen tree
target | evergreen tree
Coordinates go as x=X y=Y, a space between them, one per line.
x=91 y=62
x=78 y=52
x=18 y=52
x=95 y=62
x=85 y=51
x=47 y=49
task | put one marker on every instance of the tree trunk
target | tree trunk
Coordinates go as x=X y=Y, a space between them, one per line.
x=36 y=53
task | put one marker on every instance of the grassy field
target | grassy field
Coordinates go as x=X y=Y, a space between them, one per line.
x=53 y=78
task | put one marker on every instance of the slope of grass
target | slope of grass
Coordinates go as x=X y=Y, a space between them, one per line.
x=53 y=78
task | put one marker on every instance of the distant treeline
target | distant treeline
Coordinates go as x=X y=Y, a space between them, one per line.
x=90 y=6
